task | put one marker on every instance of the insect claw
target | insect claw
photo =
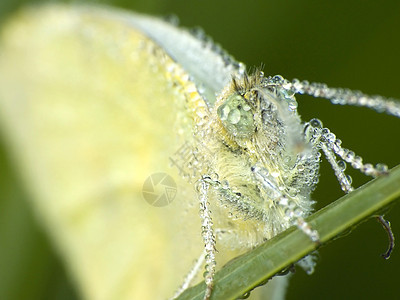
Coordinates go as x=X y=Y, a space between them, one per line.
x=388 y=229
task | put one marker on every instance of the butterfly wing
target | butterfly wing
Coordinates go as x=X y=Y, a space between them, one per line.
x=89 y=115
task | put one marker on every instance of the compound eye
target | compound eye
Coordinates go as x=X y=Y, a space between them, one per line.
x=236 y=116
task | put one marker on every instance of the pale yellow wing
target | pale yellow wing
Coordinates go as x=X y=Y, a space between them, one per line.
x=90 y=114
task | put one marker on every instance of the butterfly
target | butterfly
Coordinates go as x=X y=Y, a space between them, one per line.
x=116 y=117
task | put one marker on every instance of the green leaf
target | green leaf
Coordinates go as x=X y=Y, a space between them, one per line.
x=249 y=270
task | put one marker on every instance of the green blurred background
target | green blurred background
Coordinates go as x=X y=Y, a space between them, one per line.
x=353 y=44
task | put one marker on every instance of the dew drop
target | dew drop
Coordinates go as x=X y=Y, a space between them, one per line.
x=316 y=123
x=342 y=165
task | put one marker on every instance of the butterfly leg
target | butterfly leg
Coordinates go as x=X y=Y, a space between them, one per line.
x=388 y=229
x=293 y=213
x=191 y=275
x=207 y=233
x=324 y=139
